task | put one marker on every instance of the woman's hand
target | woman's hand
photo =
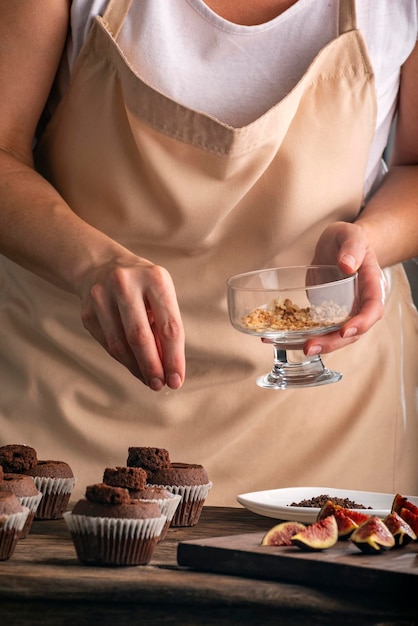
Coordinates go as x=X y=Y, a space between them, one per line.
x=130 y=308
x=346 y=245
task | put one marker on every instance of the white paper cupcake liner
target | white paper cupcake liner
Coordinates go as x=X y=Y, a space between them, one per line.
x=188 y=492
x=114 y=527
x=54 y=485
x=14 y=521
x=32 y=502
x=190 y=507
x=167 y=505
x=114 y=542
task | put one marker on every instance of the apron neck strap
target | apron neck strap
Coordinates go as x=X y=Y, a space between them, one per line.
x=347 y=16
x=114 y=15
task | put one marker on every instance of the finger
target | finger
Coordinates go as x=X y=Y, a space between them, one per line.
x=153 y=326
x=109 y=330
x=114 y=347
x=328 y=343
x=168 y=330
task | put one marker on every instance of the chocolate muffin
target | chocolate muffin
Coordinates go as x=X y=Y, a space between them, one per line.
x=150 y=459
x=17 y=458
x=25 y=490
x=55 y=480
x=134 y=479
x=191 y=482
x=12 y=520
x=109 y=528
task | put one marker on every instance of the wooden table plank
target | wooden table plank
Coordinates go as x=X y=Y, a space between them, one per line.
x=43 y=583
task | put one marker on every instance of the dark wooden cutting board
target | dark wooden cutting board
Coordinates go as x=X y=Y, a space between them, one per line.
x=344 y=565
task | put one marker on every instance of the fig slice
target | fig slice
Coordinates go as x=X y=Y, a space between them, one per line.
x=373 y=536
x=402 y=502
x=320 y=535
x=347 y=519
x=400 y=529
x=281 y=534
x=410 y=518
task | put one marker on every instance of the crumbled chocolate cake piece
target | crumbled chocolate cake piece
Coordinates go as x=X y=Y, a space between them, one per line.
x=150 y=459
x=17 y=458
x=128 y=477
x=106 y=494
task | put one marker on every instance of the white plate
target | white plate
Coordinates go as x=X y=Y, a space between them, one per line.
x=276 y=502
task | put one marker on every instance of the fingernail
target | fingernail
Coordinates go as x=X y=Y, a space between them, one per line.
x=350 y=332
x=349 y=260
x=174 y=381
x=314 y=350
x=156 y=384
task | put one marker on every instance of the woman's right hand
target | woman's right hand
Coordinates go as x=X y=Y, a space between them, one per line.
x=130 y=307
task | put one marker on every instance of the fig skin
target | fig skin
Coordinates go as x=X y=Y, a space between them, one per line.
x=401 y=502
x=410 y=518
x=280 y=535
x=320 y=535
x=373 y=536
x=400 y=529
x=347 y=520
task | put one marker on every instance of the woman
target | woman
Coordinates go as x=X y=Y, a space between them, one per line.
x=188 y=142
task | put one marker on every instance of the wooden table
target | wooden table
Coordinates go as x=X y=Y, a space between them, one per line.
x=43 y=583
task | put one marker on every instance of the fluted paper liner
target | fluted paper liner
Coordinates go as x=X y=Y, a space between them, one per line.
x=192 y=500
x=32 y=503
x=114 y=541
x=112 y=526
x=56 y=495
x=10 y=528
x=168 y=507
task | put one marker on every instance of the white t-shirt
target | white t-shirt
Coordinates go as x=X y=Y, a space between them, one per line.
x=236 y=73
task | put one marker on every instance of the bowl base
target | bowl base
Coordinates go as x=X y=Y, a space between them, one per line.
x=288 y=374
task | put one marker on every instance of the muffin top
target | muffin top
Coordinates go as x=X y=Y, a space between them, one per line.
x=106 y=501
x=17 y=458
x=9 y=503
x=180 y=474
x=19 y=484
x=128 y=477
x=150 y=459
x=51 y=469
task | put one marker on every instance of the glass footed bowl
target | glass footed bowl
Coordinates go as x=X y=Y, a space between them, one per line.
x=287 y=305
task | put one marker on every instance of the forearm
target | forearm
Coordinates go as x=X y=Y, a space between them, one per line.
x=40 y=232
x=390 y=218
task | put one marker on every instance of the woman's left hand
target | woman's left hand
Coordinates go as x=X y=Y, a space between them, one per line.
x=346 y=245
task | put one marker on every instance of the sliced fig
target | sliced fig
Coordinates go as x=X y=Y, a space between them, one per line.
x=347 y=519
x=410 y=518
x=327 y=509
x=373 y=536
x=281 y=534
x=400 y=529
x=401 y=502
x=320 y=535
x=346 y=525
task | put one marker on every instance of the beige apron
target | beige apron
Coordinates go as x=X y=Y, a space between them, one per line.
x=207 y=201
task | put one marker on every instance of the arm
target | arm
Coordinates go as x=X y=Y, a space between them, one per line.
x=390 y=219
x=386 y=231
x=127 y=303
